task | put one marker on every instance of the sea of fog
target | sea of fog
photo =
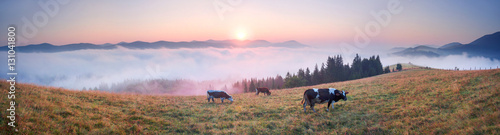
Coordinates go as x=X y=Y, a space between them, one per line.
x=89 y=68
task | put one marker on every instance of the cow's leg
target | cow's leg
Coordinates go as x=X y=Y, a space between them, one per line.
x=213 y=99
x=312 y=106
x=305 y=104
x=311 y=103
x=329 y=102
x=333 y=104
x=222 y=100
x=208 y=99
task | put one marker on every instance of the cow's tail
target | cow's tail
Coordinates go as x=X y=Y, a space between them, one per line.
x=303 y=99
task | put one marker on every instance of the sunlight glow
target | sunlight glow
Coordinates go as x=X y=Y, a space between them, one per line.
x=241 y=35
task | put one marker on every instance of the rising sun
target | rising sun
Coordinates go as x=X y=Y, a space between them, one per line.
x=241 y=35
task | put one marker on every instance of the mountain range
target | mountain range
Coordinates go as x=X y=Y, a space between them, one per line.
x=49 y=48
x=486 y=46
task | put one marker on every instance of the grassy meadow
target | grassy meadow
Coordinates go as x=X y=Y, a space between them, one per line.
x=421 y=101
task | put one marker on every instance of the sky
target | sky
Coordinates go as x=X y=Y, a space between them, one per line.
x=316 y=23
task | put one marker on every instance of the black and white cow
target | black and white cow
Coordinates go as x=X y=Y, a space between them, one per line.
x=263 y=90
x=211 y=94
x=320 y=96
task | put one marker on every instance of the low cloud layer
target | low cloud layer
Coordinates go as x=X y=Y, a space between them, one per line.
x=89 y=68
x=445 y=62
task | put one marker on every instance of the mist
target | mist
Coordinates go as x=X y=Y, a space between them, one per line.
x=218 y=67
x=463 y=62
x=89 y=68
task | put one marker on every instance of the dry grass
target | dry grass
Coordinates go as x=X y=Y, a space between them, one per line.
x=408 y=102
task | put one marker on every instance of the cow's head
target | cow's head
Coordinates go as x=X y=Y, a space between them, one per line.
x=230 y=98
x=269 y=93
x=344 y=95
x=341 y=94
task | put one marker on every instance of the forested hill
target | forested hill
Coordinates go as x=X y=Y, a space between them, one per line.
x=333 y=70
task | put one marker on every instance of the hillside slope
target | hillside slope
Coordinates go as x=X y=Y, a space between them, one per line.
x=415 y=101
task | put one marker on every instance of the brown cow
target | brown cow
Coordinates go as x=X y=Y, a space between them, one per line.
x=263 y=90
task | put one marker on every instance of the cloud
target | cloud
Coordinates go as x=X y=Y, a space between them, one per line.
x=445 y=62
x=89 y=68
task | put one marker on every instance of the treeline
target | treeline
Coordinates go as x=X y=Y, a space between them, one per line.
x=249 y=85
x=333 y=71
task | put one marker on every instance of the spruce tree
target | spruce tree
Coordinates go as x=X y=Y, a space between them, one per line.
x=252 y=86
x=322 y=73
x=308 y=76
x=399 y=67
x=315 y=78
x=356 y=68
x=378 y=65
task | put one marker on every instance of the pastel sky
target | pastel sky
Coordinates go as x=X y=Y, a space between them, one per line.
x=316 y=23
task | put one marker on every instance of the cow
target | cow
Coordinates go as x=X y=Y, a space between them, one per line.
x=263 y=90
x=320 y=96
x=211 y=94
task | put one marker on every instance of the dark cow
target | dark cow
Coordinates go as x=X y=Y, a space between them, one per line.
x=211 y=94
x=263 y=90
x=320 y=96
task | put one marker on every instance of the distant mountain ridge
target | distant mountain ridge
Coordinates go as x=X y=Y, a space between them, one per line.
x=451 y=45
x=486 y=46
x=49 y=48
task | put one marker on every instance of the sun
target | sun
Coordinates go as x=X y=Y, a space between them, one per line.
x=241 y=35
